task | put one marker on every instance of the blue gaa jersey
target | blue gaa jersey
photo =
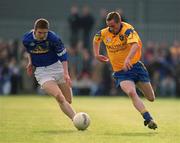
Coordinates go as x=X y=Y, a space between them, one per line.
x=45 y=52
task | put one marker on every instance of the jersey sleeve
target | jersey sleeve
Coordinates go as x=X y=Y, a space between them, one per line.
x=131 y=36
x=98 y=37
x=60 y=49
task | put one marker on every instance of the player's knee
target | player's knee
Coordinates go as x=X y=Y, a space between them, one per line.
x=69 y=101
x=152 y=98
x=131 y=93
x=60 y=98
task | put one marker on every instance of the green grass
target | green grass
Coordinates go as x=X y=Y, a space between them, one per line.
x=37 y=119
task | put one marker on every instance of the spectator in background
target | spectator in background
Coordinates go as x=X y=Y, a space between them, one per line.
x=175 y=53
x=175 y=61
x=168 y=86
x=10 y=71
x=177 y=78
x=13 y=49
x=87 y=23
x=27 y=84
x=149 y=54
x=106 y=82
x=102 y=22
x=80 y=70
x=15 y=76
x=97 y=77
x=85 y=76
x=161 y=62
x=5 y=80
x=75 y=61
x=87 y=61
x=74 y=26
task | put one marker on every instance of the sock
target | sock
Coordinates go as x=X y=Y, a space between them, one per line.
x=147 y=116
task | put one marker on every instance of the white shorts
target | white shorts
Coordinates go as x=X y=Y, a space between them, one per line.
x=52 y=72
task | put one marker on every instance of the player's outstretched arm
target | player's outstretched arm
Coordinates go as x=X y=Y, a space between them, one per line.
x=101 y=58
x=29 y=67
x=66 y=73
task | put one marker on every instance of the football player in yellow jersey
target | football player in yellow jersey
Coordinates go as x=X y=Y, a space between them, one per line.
x=123 y=47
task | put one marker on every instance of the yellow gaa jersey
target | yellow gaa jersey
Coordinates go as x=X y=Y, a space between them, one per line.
x=118 y=46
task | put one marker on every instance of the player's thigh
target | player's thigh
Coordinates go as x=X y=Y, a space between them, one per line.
x=52 y=88
x=128 y=87
x=147 y=90
x=67 y=91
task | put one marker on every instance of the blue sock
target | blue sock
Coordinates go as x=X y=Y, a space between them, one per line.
x=147 y=116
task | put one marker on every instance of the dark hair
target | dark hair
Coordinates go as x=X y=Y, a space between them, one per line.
x=41 y=23
x=113 y=16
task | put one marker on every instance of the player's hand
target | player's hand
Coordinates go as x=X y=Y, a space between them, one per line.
x=29 y=69
x=102 y=58
x=127 y=64
x=68 y=79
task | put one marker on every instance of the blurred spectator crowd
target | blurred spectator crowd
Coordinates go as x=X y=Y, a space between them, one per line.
x=89 y=76
x=13 y=60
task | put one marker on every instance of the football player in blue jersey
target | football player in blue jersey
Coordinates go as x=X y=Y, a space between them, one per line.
x=48 y=57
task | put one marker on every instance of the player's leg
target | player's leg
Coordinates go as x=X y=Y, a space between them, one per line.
x=52 y=88
x=147 y=90
x=67 y=91
x=129 y=88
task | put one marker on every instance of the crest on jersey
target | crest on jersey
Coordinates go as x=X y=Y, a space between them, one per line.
x=121 y=37
x=108 y=40
x=47 y=43
x=32 y=44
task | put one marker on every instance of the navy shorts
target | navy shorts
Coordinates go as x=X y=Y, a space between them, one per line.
x=137 y=73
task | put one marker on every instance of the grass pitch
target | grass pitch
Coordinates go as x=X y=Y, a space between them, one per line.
x=38 y=119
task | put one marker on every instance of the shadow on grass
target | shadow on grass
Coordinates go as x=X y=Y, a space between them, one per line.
x=139 y=134
x=133 y=134
x=54 y=132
